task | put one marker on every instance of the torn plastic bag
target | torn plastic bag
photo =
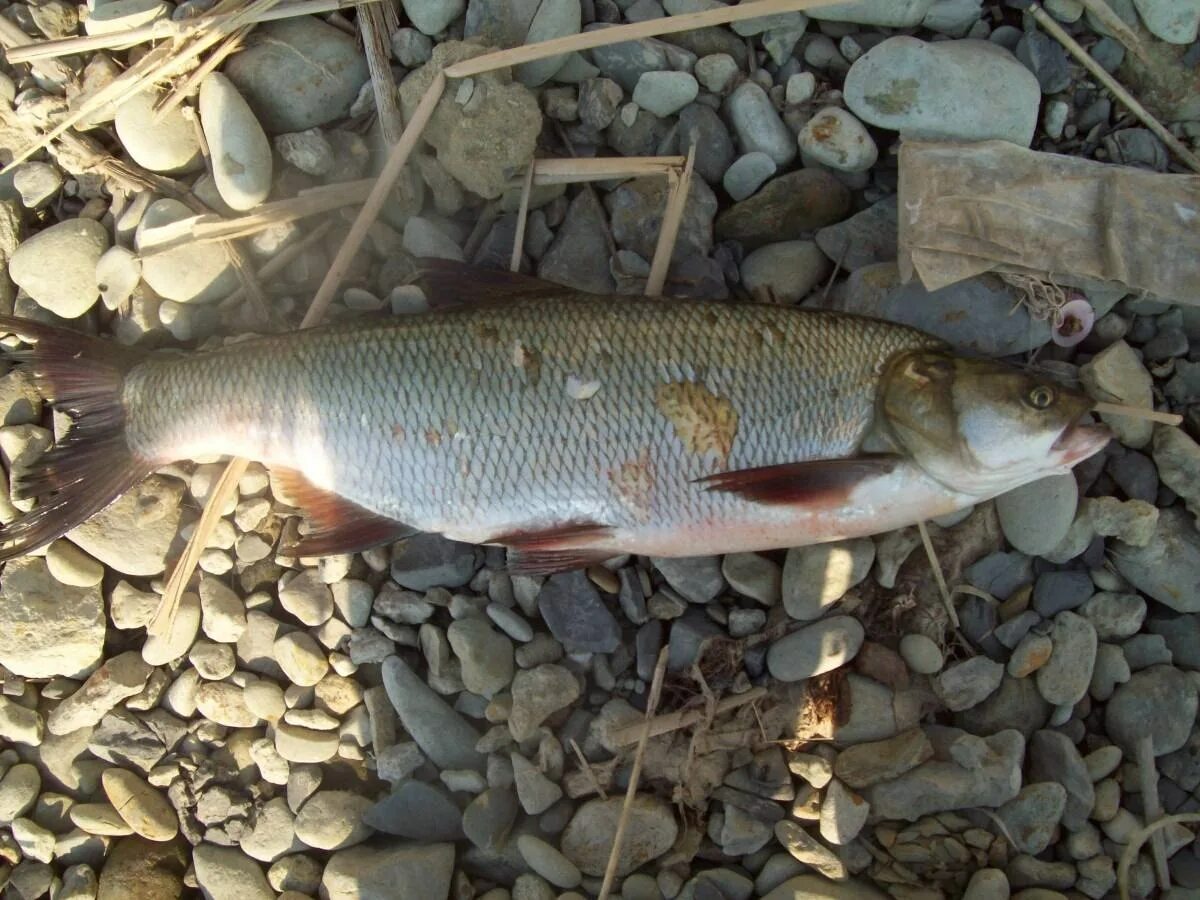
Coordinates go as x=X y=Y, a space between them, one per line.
x=992 y=206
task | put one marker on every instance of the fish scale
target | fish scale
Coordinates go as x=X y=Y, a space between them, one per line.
x=470 y=421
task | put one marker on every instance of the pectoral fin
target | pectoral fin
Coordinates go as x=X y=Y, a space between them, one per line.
x=823 y=482
x=554 y=549
x=336 y=524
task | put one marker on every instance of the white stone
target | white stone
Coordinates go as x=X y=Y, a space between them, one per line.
x=305 y=745
x=224 y=614
x=300 y=658
x=122 y=15
x=307 y=598
x=48 y=628
x=265 y=699
x=57 y=266
x=835 y=138
x=196 y=272
x=162 y=649
x=118 y=272
x=70 y=565
x=241 y=154
x=665 y=93
x=226 y=873
x=333 y=820
x=168 y=145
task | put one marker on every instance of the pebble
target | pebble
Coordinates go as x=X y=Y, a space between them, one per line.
x=536 y=695
x=650 y=832
x=815 y=649
x=747 y=174
x=665 y=93
x=843 y=814
x=20 y=724
x=800 y=87
x=757 y=124
x=818 y=576
x=1035 y=518
x=143 y=808
x=442 y=734
x=1174 y=21
x=576 y=615
x=921 y=654
x=1030 y=654
x=485 y=655
x=835 y=138
x=241 y=154
x=305 y=745
x=809 y=851
x=1057 y=591
x=1160 y=703
x=548 y=862
x=225 y=704
x=19 y=788
x=636 y=209
x=697 y=578
x=786 y=208
x=427 y=561
x=396 y=870
x=1065 y=677
x=273 y=834
x=322 y=65
x=488 y=819
x=716 y=71
x=100 y=819
x=578 y=255
x=1046 y=59
x=197 y=273
x=118 y=679
x=332 y=820
x=225 y=873
x=1116 y=375
x=866 y=238
x=57 y=266
x=223 y=615
x=308 y=598
x=48 y=628
x=301 y=658
x=168 y=144
x=1033 y=815
x=968 y=683
x=536 y=792
x=422 y=238
x=1167 y=568
x=785 y=272
x=965 y=90
x=1177 y=458
x=418 y=811
x=885 y=13
x=37 y=183
x=410 y=47
x=1115 y=616
x=754 y=576
x=865 y=764
x=161 y=649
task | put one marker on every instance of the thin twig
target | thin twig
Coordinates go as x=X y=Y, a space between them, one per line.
x=191 y=83
x=514 y=264
x=1137 y=839
x=280 y=260
x=676 y=721
x=669 y=231
x=12 y=38
x=586 y=768
x=162 y=29
x=574 y=170
x=588 y=40
x=1187 y=156
x=614 y=855
x=1138 y=412
x=947 y=599
x=1114 y=23
x=376 y=35
x=1151 y=808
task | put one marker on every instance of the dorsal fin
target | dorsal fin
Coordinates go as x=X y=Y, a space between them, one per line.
x=336 y=524
x=449 y=283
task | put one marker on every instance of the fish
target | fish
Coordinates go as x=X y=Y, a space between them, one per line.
x=565 y=427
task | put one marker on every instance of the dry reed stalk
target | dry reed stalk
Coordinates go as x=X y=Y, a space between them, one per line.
x=1151 y=807
x=669 y=230
x=588 y=40
x=182 y=573
x=603 y=168
x=943 y=590
x=514 y=263
x=13 y=39
x=614 y=855
x=1115 y=88
x=1114 y=23
x=586 y=768
x=1138 y=412
x=376 y=35
x=280 y=260
x=41 y=51
x=188 y=85
x=686 y=718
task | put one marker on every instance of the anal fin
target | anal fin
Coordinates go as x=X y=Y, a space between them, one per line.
x=823 y=482
x=337 y=525
x=555 y=549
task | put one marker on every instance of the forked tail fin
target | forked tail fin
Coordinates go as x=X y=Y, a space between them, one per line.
x=92 y=465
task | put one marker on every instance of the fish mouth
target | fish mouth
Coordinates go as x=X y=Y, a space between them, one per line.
x=1078 y=442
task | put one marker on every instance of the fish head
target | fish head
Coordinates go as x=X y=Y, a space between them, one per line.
x=982 y=427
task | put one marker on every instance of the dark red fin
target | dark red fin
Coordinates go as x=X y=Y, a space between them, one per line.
x=818 y=481
x=449 y=284
x=560 y=548
x=92 y=465
x=336 y=524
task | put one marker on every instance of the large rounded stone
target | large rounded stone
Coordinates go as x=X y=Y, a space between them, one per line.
x=198 y=272
x=57 y=266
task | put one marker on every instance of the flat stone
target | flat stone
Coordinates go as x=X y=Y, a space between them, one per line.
x=442 y=734
x=168 y=144
x=866 y=764
x=786 y=208
x=418 y=811
x=48 y=628
x=536 y=792
x=578 y=255
x=697 y=578
x=816 y=577
x=815 y=649
x=298 y=744
x=142 y=807
x=785 y=272
x=119 y=678
x=1116 y=375
x=386 y=872
x=536 y=695
x=488 y=819
x=809 y=850
x=866 y=238
x=1036 y=517
x=1032 y=816
x=321 y=66
x=57 y=266
x=548 y=862
x=225 y=873
x=1167 y=568
x=333 y=820
x=427 y=561
x=576 y=615
x=1160 y=703
x=1065 y=677
x=967 y=684
x=967 y=90
x=650 y=832
x=843 y=814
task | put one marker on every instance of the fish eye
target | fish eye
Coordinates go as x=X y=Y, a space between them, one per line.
x=1040 y=397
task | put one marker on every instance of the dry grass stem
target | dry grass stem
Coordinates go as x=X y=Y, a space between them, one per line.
x=586 y=768
x=12 y=38
x=514 y=264
x=25 y=52
x=1151 y=807
x=1138 y=839
x=685 y=718
x=376 y=36
x=614 y=855
x=618 y=33
x=938 y=576
x=1114 y=23
x=1114 y=87
x=669 y=231
x=603 y=168
x=1138 y=412
x=280 y=260
x=188 y=86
